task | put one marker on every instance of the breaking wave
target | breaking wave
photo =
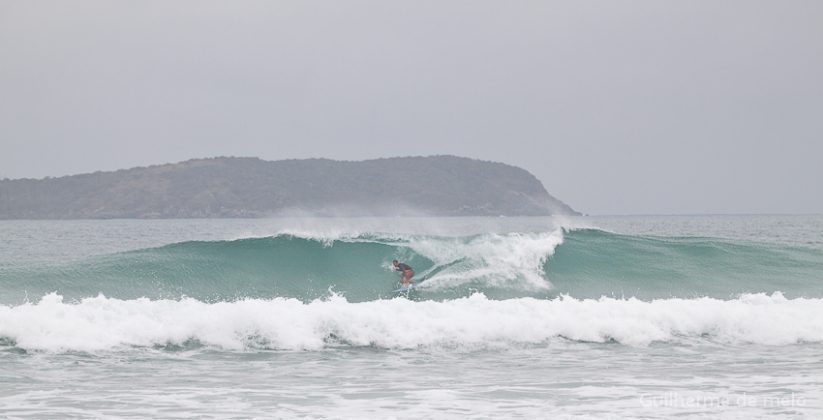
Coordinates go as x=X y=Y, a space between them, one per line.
x=108 y=324
x=584 y=263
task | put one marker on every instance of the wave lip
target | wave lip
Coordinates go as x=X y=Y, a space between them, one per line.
x=107 y=324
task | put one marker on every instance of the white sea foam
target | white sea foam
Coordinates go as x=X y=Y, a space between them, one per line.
x=497 y=259
x=511 y=260
x=101 y=323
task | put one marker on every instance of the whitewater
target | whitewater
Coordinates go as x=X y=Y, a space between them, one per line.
x=591 y=317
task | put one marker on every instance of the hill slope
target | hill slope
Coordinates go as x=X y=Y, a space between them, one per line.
x=251 y=187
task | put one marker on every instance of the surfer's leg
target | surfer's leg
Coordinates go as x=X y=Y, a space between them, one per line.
x=407 y=276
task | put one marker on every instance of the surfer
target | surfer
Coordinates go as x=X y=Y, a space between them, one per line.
x=406 y=272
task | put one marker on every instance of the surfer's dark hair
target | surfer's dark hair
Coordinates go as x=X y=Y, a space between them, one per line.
x=394 y=261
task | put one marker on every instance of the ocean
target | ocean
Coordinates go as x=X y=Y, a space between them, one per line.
x=633 y=317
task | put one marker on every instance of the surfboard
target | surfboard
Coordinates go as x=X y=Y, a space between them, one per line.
x=406 y=288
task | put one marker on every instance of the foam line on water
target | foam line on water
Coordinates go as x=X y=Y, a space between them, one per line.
x=104 y=324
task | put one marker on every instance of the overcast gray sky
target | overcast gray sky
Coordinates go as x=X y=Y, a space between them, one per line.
x=618 y=107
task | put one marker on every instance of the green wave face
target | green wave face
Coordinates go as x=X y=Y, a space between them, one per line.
x=580 y=263
x=227 y=270
x=593 y=263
